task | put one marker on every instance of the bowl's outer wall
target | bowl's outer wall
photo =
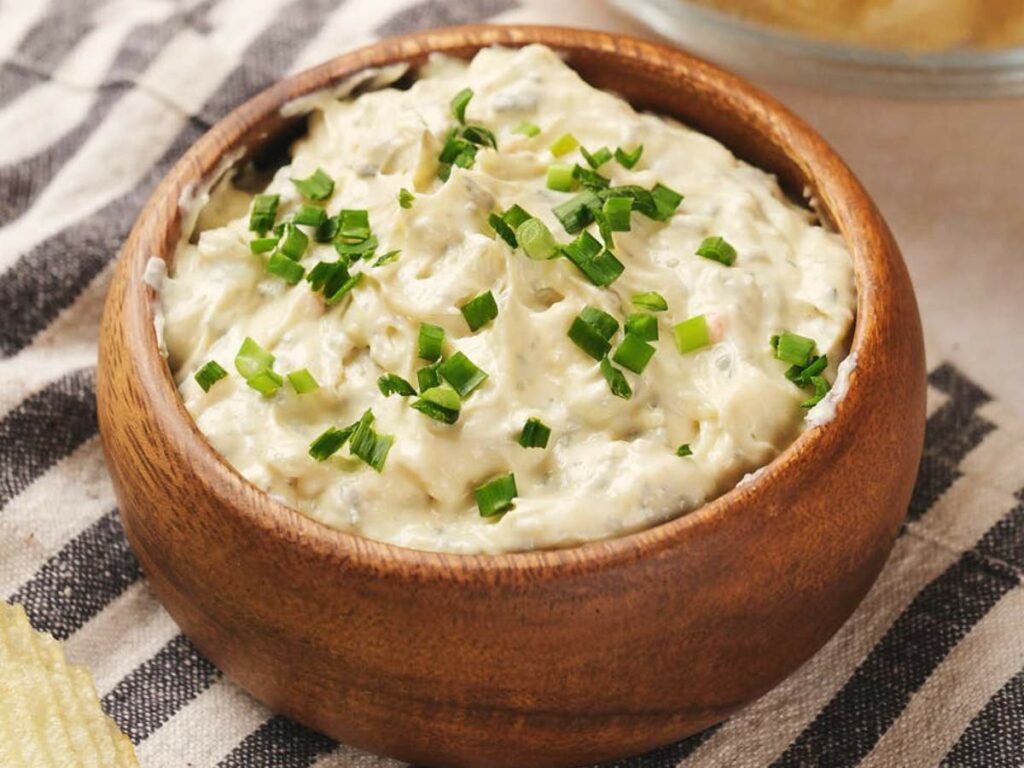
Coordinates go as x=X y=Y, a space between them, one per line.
x=546 y=658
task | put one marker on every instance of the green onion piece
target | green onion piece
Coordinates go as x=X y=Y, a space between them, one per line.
x=616 y=212
x=444 y=171
x=536 y=240
x=427 y=377
x=439 y=403
x=462 y=374
x=327 y=276
x=563 y=145
x=692 y=334
x=456 y=151
x=505 y=232
x=801 y=375
x=430 y=341
x=317 y=187
x=665 y=201
x=599 y=265
x=479 y=311
x=578 y=211
x=794 y=349
x=459 y=103
x=263 y=244
x=392 y=384
x=330 y=442
x=310 y=215
x=209 y=375
x=368 y=445
x=477 y=134
x=590 y=179
x=560 y=178
x=527 y=129
x=588 y=338
x=265 y=382
x=535 y=434
x=643 y=200
x=387 y=258
x=717 y=249
x=651 y=300
x=495 y=497
x=294 y=242
x=252 y=359
x=633 y=353
x=629 y=159
x=684 y=450
x=405 y=198
x=302 y=381
x=642 y=325
x=515 y=216
x=343 y=289
x=821 y=388
x=327 y=230
x=605 y=230
x=616 y=380
x=603 y=323
x=599 y=158
x=357 y=250
x=264 y=211
x=353 y=225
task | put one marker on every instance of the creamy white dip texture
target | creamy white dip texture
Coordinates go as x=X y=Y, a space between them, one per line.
x=611 y=465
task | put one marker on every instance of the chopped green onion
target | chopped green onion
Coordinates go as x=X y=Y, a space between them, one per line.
x=327 y=230
x=603 y=323
x=387 y=258
x=328 y=276
x=369 y=445
x=293 y=243
x=616 y=212
x=616 y=380
x=456 y=151
x=459 y=103
x=633 y=353
x=793 y=348
x=684 y=450
x=527 y=129
x=642 y=325
x=599 y=265
x=430 y=341
x=563 y=145
x=265 y=382
x=252 y=359
x=692 y=334
x=495 y=497
x=392 y=384
x=343 y=289
x=209 y=375
x=588 y=338
x=578 y=211
x=263 y=244
x=717 y=249
x=356 y=250
x=560 y=178
x=439 y=403
x=479 y=135
x=536 y=240
x=479 y=311
x=504 y=231
x=264 y=211
x=651 y=300
x=801 y=375
x=289 y=271
x=666 y=201
x=515 y=216
x=599 y=158
x=317 y=187
x=643 y=200
x=462 y=374
x=310 y=215
x=353 y=225
x=629 y=159
x=302 y=381
x=427 y=377
x=821 y=388
x=330 y=442
x=405 y=198
x=535 y=434
x=590 y=179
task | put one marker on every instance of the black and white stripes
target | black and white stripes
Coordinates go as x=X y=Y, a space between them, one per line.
x=933 y=629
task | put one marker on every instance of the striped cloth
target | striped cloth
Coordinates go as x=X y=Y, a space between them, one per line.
x=97 y=99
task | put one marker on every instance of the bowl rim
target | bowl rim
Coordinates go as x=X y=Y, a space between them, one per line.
x=273 y=518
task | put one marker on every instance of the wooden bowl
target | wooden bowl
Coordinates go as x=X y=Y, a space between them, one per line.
x=549 y=658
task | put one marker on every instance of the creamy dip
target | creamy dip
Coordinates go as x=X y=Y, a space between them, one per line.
x=611 y=464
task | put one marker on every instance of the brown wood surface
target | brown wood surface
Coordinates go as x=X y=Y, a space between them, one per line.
x=548 y=658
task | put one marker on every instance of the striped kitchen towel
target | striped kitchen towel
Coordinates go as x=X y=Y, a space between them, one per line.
x=97 y=99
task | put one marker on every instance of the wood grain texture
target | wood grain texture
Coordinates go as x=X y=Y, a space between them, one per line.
x=548 y=658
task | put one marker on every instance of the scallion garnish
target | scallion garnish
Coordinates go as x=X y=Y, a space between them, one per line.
x=560 y=178
x=430 y=342
x=343 y=289
x=387 y=258
x=651 y=300
x=536 y=240
x=302 y=381
x=459 y=103
x=591 y=331
x=264 y=211
x=578 y=211
x=821 y=388
x=330 y=442
x=642 y=325
x=527 y=129
x=599 y=158
x=629 y=159
x=495 y=497
x=369 y=445
x=310 y=215
x=355 y=250
x=480 y=310
x=392 y=384
x=616 y=212
x=462 y=373
x=477 y=134
x=603 y=323
x=515 y=216
x=504 y=231
x=427 y=377
x=666 y=201
x=353 y=225
x=717 y=249
x=317 y=187
x=616 y=380
x=328 y=276
x=263 y=244
x=252 y=359
x=209 y=375
x=801 y=375
x=563 y=145
x=327 y=231
x=441 y=403
x=590 y=179
x=684 y=450
x=692 y=334
x=596 y=262
x=633 y=353
x=793 y=348
x=265 y=382
x=535 y=434
x=293 y=243
x=405 y=198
